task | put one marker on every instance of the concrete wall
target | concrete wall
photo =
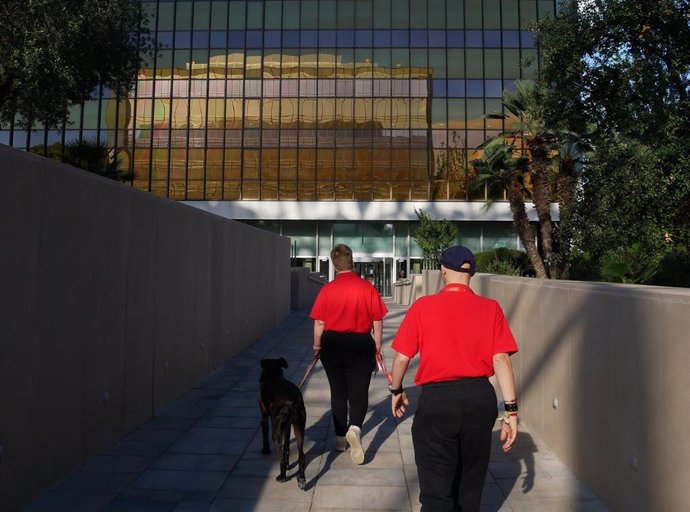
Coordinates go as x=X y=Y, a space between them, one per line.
x=304 y=287
x=604 y=380
x=112 y=303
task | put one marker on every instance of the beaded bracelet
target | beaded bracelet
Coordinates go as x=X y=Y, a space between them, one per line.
x=507 y=415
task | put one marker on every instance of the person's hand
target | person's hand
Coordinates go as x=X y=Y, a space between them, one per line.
x=509 y=431
x=399 y=404
x=317 y=350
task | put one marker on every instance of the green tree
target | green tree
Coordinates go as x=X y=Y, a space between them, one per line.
x=623 y=67
x=56 y=53
x=433 y=236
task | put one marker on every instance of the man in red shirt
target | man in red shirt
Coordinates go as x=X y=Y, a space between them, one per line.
x=462 y=339
x=345 y=313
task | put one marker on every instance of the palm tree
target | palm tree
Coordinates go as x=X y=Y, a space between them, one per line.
x=525 y=124
x=95 y=156
x=502 y=165
x=572 y=149
x=551 y=157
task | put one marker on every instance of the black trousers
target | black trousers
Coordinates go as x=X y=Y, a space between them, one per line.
x=348 y=359
x=451 y=434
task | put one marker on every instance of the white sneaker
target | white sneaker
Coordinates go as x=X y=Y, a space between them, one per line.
x=353 y=439
x=340 y=444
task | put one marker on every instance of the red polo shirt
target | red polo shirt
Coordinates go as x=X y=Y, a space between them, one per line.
x=456 y=334
x=348 y=304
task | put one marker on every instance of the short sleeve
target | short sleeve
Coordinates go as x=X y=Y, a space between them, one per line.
x=318 y=310
x=503 y=337
x=378 y=308
x=406 y=340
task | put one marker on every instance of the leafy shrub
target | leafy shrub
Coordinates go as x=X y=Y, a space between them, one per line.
x=502 y=267
x=625 y=265
x=504 y=261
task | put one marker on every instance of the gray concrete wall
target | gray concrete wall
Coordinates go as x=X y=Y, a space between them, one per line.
x=304 y=287
x=112 y=303
x=603 y=377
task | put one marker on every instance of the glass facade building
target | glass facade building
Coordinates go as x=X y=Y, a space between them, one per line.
x=323 y=120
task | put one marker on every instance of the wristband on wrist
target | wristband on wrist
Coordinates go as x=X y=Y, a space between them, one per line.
x=395 y=392
x=511 y=406
x=316 y=347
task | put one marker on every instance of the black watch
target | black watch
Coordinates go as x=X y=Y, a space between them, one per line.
x=395 y=392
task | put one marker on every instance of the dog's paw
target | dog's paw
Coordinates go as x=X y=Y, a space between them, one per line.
x=265 y=451
x=301 y=482
x=281 y=478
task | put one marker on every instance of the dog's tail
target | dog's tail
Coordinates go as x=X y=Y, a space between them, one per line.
x=289 y=412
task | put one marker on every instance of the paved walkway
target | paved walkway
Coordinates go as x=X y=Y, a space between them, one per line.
x=203 y=453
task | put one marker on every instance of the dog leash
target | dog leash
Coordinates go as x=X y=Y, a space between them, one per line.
x=381 y=366
x=309 y=369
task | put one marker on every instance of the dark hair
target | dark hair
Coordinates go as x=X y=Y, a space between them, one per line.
x=341 y=256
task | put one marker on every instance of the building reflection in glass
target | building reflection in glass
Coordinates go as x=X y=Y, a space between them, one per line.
x=291 y=126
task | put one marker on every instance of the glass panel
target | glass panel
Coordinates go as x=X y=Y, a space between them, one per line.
x=545 y=8
x=492 y=14
x=511 y=64
x=250 y=190
x=302 y=236
x=475 y=117
x=310 y=14
x=183 y=17
x=269 y=190
x=437 y=14
x=250 y=164
x=202 y=12
x=291 y=14
x=382 y=14
x=401 y=234
x=288 y=164
x=456 y=63
x=232 y=190
x=497 y=235
x=473 y=14
x=401 y=16
x=528 y=12
x=363 y=10
x=307 y=164
x=324 y=229
x=469 y=235
x=365 y=237
x=346 y=14
x=474 y=64
x=418 y=14
x=455 y=18
x=272 y=15
x=166 y=14
x=327 y=14
x=255 y=15
x=510 y=14
x=219 y=18
x=232 y=167
x=237 y=15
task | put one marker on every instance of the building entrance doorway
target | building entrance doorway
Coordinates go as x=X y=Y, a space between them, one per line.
x=378 y=271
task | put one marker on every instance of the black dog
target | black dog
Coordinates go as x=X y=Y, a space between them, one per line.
x=282 y=401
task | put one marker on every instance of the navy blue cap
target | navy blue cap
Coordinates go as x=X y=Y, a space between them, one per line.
x=455 y=257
